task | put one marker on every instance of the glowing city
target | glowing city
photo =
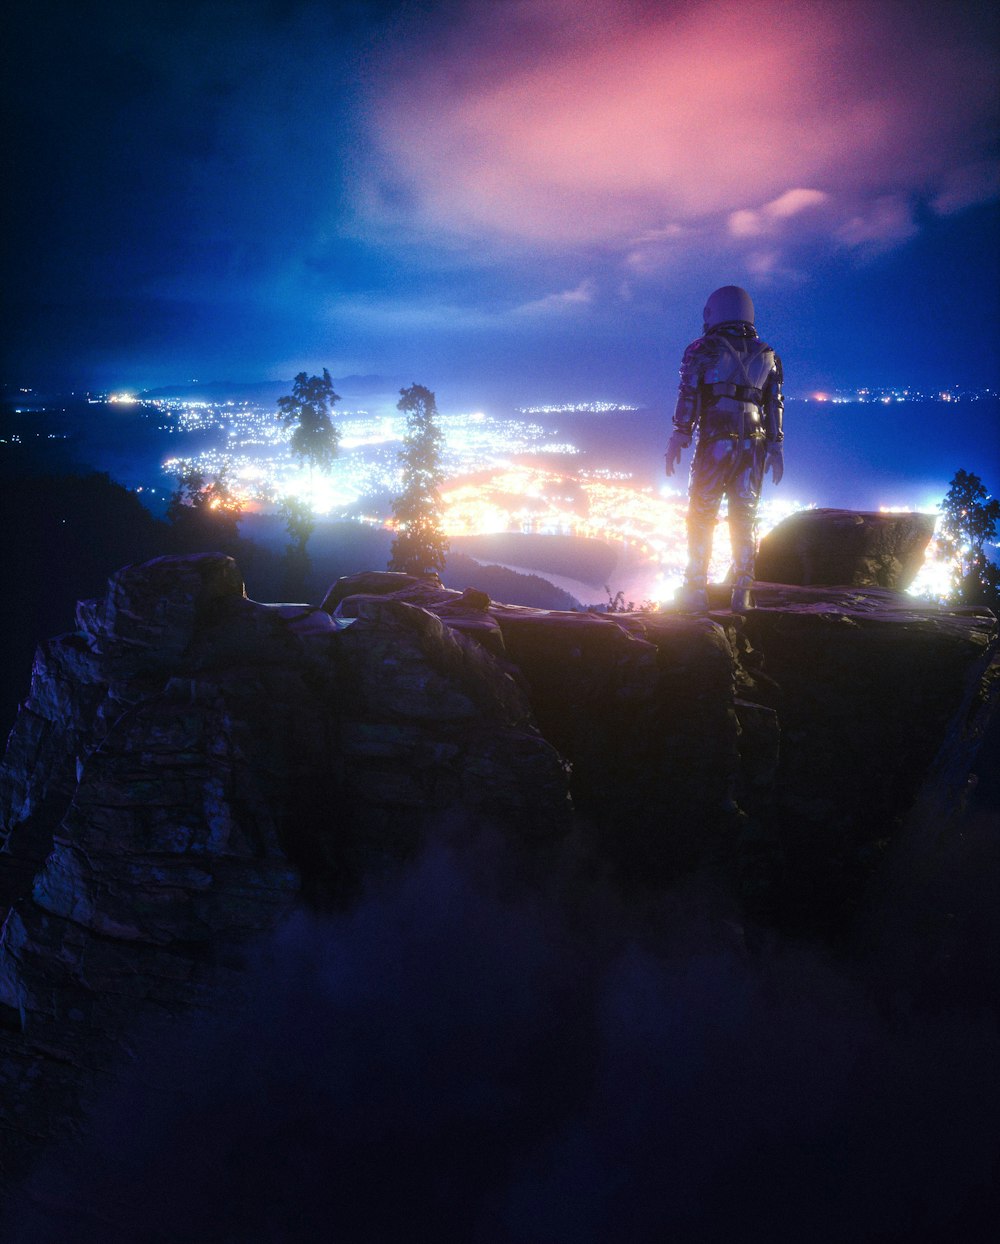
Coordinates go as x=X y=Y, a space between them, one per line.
x=502 y=475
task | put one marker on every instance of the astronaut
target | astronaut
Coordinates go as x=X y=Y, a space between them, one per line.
x=730 y=394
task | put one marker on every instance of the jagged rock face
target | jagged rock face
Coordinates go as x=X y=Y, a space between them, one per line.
x=831 y=711
x=846 y=547
x=641 y=707
x=189 y=761
x=881 y=705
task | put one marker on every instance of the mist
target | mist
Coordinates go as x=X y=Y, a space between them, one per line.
x=474 y=1053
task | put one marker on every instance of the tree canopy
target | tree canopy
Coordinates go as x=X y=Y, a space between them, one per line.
x=197 y=491
x=969 y=519
x=419 y=545
x=204 y=510
x=307 y=409
x=300 y=521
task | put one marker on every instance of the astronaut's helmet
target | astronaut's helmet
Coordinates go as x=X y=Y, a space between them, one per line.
x=728 y=304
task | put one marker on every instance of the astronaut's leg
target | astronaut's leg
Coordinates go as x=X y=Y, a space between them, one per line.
x=709 y=470
x=743 y=491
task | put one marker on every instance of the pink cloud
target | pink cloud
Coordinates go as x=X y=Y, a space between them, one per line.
x=794 y=201
x=883 y=224
x=747 y=223
x=628 y=125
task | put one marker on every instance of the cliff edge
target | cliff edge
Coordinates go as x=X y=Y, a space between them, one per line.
x=190 y=763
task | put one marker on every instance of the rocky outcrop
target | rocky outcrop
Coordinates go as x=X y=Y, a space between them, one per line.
x=826 y=718
x=190 y=762
x=847 y=547
x=882 y=704
x=641 y=706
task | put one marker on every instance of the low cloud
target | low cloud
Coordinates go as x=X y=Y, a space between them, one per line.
x=581 y=295
x=881 y=225
x=749 y=223
x=966 y=186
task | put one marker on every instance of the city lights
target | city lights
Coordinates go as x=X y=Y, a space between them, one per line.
x=573 y=408
x=887 y=396
x=504 y=474
x=648 y=526
x=251 y=446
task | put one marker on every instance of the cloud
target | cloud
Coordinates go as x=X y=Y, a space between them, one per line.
x=581 y=295
x=794 y=201
x=963 y=187
x=748 y=223
x=885 y=223
x=623 y=125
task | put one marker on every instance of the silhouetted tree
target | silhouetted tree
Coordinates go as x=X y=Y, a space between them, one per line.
x=300 y=523
x=307 y=409
x=204 y=512
x=419 y=545
x=969 y=519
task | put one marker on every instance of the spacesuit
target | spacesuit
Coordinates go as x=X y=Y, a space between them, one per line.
x=730 y=395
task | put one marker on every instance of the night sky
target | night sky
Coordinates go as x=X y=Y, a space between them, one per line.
x=532 y=192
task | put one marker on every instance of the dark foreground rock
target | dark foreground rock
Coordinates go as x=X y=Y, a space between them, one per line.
x=850 y=547
x=189 y=763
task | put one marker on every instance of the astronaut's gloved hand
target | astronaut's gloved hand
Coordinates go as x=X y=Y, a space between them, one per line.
x=679 y=441
x=775 y=462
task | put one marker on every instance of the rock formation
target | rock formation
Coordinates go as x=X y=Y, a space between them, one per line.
x=190 y=762
x=847 y=547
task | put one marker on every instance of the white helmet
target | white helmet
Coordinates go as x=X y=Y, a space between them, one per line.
x=726 y=305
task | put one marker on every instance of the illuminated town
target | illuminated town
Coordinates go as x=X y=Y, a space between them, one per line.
x=515 y=474
x=502 y=475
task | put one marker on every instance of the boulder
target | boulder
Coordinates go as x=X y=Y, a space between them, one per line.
x=847 y=547
x=384 y=583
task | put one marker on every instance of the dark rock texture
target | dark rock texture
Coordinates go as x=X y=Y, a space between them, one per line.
x=640 y=705
x=190 y=762
x=881 y=704
x=847 y=547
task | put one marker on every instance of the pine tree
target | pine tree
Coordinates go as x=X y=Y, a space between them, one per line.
x=308 y=408
x=420 y=545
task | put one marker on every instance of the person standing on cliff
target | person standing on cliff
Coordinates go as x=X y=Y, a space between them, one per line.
x=730 y=396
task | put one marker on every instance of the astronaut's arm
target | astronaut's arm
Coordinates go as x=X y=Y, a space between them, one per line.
x=773 y=405
x=686 y=411
x=692 y=369
x=774 y=432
